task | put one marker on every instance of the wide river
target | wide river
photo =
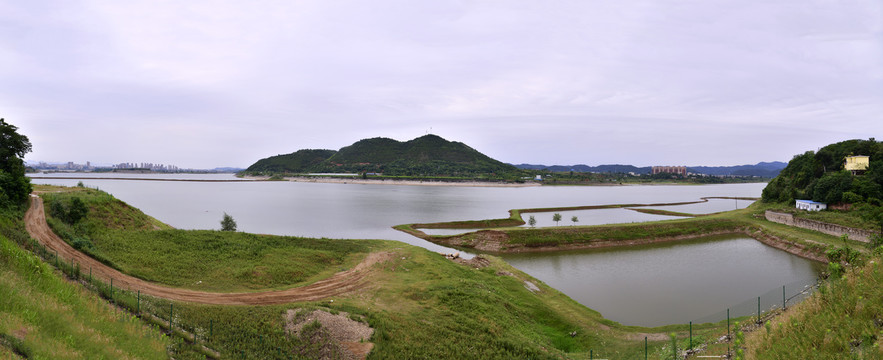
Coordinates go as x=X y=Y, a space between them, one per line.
x=647 y=286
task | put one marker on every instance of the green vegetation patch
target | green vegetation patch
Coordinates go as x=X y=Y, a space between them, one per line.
x=843 y=319
x=43 y=316
x=428 y=155
x=227 y=261
x=125 y=238
x=572 y=235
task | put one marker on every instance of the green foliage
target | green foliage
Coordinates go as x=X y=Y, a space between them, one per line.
x=820 y=175
x=556 y=218
x=227 y=223
x=532 y=221
x=428 y=155
x=850 y=197
x=831 y=186
x=14 y=185
x=301 y=161
x=876 y=241
x=557 y=236
x=574 y=219
x=738 y=342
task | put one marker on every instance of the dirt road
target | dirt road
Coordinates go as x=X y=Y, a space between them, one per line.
x=339 y=283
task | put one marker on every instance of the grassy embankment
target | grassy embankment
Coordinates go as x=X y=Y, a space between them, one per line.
x=504 y=237
x=44 y=316
x=515 y=218
x=844 y=319
x=132 y=242
x=420 y=304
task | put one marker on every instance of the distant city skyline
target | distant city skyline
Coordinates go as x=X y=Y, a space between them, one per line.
x=644 y=82
x=88 y=165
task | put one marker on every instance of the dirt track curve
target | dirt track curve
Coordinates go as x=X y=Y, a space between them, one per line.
x=339 y=283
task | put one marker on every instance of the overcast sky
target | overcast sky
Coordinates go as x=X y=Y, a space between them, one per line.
x=645 y=82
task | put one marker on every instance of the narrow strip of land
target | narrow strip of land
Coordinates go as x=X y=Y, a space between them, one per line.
x=137 y=179
x=340 y=283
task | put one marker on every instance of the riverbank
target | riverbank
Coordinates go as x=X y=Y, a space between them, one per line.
x=354 y=180
x=134 y=179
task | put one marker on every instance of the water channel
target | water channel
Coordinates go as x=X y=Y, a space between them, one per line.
x=648 y=285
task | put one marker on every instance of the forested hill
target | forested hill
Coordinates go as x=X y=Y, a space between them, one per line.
x=428 y=155
x=296 y=162
x=820 y=176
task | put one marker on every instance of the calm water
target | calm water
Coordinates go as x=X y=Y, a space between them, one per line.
x=672 y=283
x=369 y=211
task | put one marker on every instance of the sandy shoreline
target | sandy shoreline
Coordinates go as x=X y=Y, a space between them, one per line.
x=309 y=179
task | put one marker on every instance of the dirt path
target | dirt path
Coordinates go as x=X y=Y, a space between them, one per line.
x=339 y=283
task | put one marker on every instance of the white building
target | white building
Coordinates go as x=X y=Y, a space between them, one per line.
x=810 y=205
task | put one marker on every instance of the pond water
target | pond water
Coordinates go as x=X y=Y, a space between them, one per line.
x=358 y=211
x=670 y=283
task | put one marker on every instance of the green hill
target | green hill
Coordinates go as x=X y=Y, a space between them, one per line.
x=296 y=162
x=820 y=175
x=429 y=155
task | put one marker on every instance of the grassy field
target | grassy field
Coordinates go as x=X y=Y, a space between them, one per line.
x=43 y=316
x=132 y=242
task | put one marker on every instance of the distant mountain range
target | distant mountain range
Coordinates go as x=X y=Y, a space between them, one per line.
x=763 y=169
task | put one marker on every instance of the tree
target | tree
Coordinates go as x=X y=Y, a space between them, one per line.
x=574 y=219
x=872 y=213
x=228 y=224
x=556 y=218
x=531 y=221
x=78 y=210
x=14 y=185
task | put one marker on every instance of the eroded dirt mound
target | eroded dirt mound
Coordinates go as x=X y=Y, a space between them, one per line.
x=330 y=336
x=477 y=261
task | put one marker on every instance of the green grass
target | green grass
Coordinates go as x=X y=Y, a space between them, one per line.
x=227 y=261
x=126 y=239
x=424 y=306
x=572 y=235
x=844 y=319
x=45 y=317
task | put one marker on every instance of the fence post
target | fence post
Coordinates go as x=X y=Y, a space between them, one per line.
x=645 y=348
x=111 y=289
x=591 y=354
x=138 y=306
x=171 y=308
x=758 y=309
x=90 y=275
x=783 y=297
x=211 y=325
x=691 y=337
